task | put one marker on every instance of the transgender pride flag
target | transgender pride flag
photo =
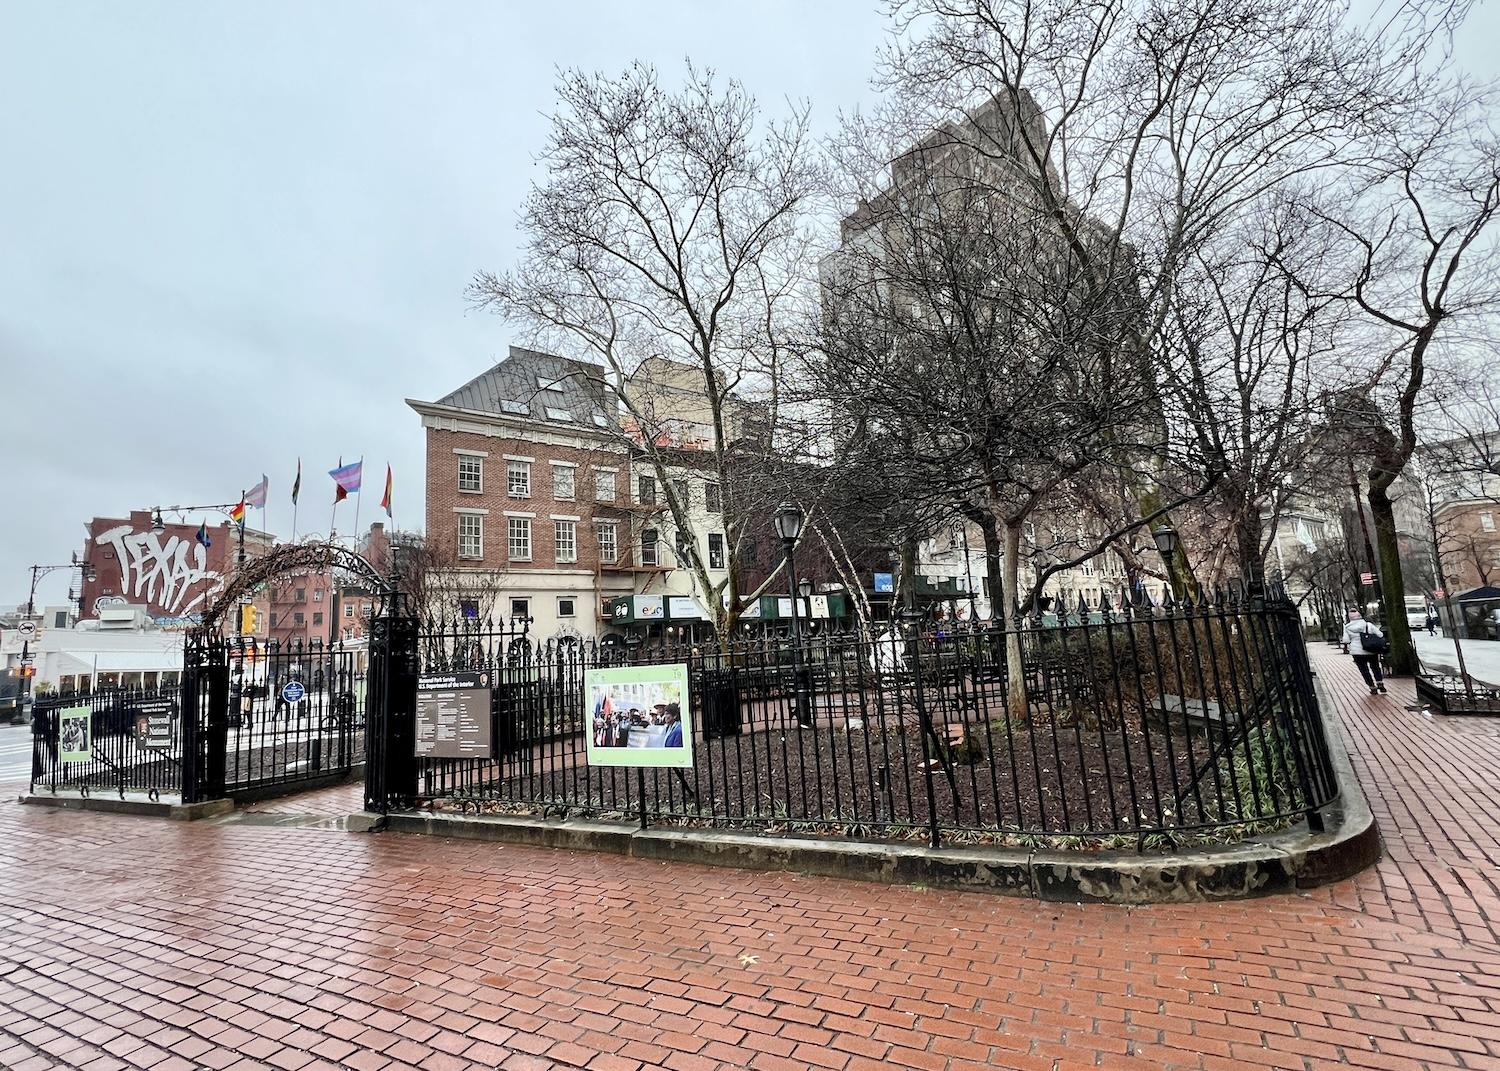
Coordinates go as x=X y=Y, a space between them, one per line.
x=347 y=477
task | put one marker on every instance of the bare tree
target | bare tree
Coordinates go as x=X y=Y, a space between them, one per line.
x=1246 y=349
x=667 y=229
x=1422 y=264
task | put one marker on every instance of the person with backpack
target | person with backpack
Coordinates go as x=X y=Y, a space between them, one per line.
x=1366 y=643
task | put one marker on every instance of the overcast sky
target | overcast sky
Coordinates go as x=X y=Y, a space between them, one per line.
x=236 y=234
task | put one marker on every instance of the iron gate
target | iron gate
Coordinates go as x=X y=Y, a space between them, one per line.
x=268 y=718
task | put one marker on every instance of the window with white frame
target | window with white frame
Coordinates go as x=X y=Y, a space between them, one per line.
x=711 y=498
x=715 y=550
x=470 y=473
x=650 y=552
x=566 y=607
x=519 y=531
x=470 y=536
x=604 y=485
x=520 y=607
x=518 y=479
x=565 y=540
x=562 y=481
x=646 y=490
x=607 y=533
x=1487 y=521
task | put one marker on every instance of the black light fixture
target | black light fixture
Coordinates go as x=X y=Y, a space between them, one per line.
x=157 y=525
x=788 y=522
x=1166 y=540
x=805 y=587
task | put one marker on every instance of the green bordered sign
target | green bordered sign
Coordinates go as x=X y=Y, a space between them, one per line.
x=75 y=741
x=638 y=716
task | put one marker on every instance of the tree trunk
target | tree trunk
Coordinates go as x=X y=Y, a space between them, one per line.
x=1403 y=656
x=1014 y=675
x=993 y=564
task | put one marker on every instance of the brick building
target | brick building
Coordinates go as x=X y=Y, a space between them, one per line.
x=529 y=494
x=327 y=606
x=165 y=571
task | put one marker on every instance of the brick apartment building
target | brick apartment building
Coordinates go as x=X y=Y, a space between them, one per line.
x=529 y=494
x=544 y=506
x=327 y=606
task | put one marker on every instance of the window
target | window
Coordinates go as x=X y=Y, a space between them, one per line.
x=607 y=534
x=715 y=550
x=301 y=595
x=367 y=611
x=470 y=473
x=273 y=620
x=470 y=536
x=520 y=607
x=648 y=546
x=299 y=618
x=348 y=609
x=711 y=498
x=318 y=618
x=604 y=486
x=469 y=608
x=518 y=479
x=1487 y=521
x=317 y=594
x=562 y=481
x=520 y=539
x=684 y=493
x=565 y=540
x=60 y=619
x=646 y=490
x=565 y=608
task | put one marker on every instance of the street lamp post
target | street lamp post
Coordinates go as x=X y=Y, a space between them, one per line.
x=23 y=699
x=1166 y=545
x=789 y=527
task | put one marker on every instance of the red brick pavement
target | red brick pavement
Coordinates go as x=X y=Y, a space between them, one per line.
x=130 y=943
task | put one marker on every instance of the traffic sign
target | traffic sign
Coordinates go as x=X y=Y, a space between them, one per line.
x=292 y=691
x=1439 y=594
x=26 y=629
x=1367 y=578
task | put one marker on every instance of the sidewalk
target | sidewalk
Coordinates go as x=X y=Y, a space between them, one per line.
x=138 y=944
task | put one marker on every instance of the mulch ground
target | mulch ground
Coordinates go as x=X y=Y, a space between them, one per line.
x=875 y=777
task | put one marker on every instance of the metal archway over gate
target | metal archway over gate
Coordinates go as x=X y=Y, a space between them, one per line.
x=263 y=718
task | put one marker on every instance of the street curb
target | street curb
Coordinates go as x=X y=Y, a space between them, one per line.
x=142 y=807
x=1285 y=862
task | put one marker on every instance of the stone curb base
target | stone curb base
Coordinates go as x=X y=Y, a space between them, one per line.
x=137 y=805
x=1297 y=859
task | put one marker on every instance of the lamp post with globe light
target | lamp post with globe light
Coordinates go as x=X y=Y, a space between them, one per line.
x=788 y=522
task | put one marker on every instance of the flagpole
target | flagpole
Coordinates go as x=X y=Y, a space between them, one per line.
x=358 y=500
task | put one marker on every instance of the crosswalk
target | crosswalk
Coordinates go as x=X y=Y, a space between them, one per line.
x=15 y=753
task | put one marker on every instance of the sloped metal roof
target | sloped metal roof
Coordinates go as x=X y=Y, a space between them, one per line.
x=539 y=386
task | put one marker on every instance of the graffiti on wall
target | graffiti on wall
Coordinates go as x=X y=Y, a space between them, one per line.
x=168 y=571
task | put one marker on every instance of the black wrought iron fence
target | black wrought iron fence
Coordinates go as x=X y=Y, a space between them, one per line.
x=120 y=741
x=1138 y=722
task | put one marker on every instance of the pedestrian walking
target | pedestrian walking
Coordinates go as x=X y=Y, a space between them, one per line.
x=1366 y=643
x=1432 y=621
